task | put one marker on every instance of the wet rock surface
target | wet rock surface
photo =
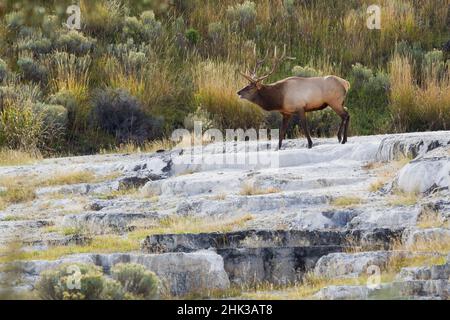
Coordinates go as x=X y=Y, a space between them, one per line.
x=307 y=207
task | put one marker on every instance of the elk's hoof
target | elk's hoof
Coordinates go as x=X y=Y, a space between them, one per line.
x=344 y=141
x=310 y=145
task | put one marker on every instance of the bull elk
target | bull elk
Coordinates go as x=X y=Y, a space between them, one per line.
x=297 y=95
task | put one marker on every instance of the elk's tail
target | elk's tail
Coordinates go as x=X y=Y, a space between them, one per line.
x=345 y=83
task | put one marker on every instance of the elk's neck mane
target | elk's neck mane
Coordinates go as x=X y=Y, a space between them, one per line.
x=269 y=98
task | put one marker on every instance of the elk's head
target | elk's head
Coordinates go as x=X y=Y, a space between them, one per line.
x=250 y=91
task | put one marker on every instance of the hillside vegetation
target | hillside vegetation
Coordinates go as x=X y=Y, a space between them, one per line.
x=139 y=69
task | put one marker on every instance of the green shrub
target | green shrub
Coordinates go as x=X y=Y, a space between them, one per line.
x=242 y=15
x=75 y=42
x=61 y=284
x=15 y=20
x=80 y=281
x=368 y=100
x=3 y=70
x=32 y=71
x=136 y=280
x=192 y=35
x=37 y=46
x=64 y=98
x=53 y=116
x=306 y=72
x=216 y=31
x=133 y=28
x=199 y=115
x=102 y=18
x=50 y=24
x=121 y=115
x=20 y=127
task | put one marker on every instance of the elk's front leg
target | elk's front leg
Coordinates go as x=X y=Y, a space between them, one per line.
x=284 y=125
x=302 y=116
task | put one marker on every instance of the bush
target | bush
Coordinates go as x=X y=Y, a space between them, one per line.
x=133 y=28
x=64 y=98
x=120 y=114
x=59 y=284
x=103 y=18
x=50 y=24
x=20 y=127
x=53 y=116
x=305 y=72
x=192 y=35
x=136 y=280
x=3 y=70
x=217 y=84
x=75 y=42
x=15 y=20
x=80 y=281
x=242 y=15
x=146 y=29
x=199 y=115
x=368 y=100
x=216 y=32
x=32 y=71
x=37 y=46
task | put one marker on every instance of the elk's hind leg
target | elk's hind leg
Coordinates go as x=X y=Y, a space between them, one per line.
x=284 y=125
x=339 y=134
x=347 y=121
x=338 y=107
x=304 y=124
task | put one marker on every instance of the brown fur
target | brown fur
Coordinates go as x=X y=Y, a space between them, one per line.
x=296 y=95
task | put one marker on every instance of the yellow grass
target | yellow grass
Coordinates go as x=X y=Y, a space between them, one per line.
x=21 y=189
x=377 y=185
x=189 y=224
x=101 y=244
x=430 y=219
x=10 y=157
x=403 y=199
x=148 y=147
x=311 y=285
x=69 y=178
x=131 y=242
x=217 y=83
x=16 y=194
x=346 y=201
x=249 y=189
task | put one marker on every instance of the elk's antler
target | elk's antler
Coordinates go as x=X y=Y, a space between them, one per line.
x=259 y=63
x=276 y=62
x=252 y=77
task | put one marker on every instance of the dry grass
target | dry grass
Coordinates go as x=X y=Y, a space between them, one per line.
x=346 y=201
x=377 y=185
x=16 y=194
x=399 y=198
x=305 y=290
x=20 y=189
x=130 y=242
x=148 y=147
x=217 y=83
x=249 y=189
x=429 y=218
x=427 y=253
x=100 y=244
x=10 y=157
x=421 y=253
x=220 y=197
x=75 y=177
x=415 y=107
x=189 y=224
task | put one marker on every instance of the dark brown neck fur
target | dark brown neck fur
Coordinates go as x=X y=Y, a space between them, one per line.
x=269 y=97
